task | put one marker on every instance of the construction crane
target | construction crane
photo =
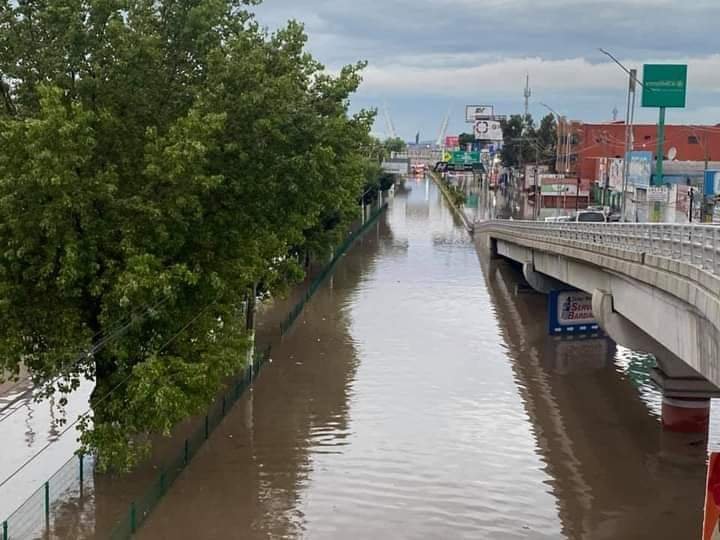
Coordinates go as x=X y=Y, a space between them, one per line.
x=443 y=129
x=389 y=126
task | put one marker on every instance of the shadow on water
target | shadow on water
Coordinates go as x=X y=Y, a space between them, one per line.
x=247 y=481
x=615 y=473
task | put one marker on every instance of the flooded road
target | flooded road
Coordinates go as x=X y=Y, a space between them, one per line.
x=419 y=396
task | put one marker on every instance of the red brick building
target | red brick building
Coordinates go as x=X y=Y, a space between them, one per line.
x=580 y=145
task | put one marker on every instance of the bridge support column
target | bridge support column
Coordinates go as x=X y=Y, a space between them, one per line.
x=686 y=393
x=540 y=282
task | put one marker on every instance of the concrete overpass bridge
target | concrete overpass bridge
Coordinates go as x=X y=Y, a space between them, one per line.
x=655 y=288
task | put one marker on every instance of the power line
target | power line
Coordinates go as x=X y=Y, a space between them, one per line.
x=83 y=356
x=102 y=399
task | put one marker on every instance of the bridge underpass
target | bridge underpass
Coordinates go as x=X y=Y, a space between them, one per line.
x=590 y=417
x=655 y=288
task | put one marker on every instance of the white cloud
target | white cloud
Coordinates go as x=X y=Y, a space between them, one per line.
x=504 y=75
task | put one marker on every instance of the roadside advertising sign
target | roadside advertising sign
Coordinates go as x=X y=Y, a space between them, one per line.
x=658 y=194
x=488 y=130
x=640 y=168
x=664 y=85
x=711 y=523
x=547 y=179
x=452 y=141
x=559 y=189
x=473 y=113
x=570 y=312
x=712 y=182
x=615 y=173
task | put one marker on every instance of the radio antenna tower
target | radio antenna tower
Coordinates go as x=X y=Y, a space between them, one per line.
x=527 y=93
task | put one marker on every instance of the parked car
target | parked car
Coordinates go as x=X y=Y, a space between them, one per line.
x=590 y=216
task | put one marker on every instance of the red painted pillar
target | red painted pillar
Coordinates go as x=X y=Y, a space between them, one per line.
x=711 y=524
x=685 y=415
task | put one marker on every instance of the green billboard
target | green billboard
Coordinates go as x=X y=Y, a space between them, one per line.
x=664 y=85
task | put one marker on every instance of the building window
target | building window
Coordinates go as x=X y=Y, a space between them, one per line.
x=692 y=139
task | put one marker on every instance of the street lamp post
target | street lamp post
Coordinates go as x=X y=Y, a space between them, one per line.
x=629 y=120
x=566 y=152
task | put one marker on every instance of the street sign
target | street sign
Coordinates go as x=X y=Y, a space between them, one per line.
x=658 y=194
x=488 y=130
x=478 y=112
x=570 y=312
x=464 y=158
x=664 y=85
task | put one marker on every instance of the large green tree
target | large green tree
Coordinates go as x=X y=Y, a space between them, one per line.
x=524 y=142
x=158 y=158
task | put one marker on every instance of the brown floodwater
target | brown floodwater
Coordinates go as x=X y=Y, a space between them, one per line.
x=419 y=396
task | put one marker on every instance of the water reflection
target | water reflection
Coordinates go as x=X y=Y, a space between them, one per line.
x=615 y=473
x=420 y=397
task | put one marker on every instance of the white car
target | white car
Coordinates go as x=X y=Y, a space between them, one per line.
x=590 y=216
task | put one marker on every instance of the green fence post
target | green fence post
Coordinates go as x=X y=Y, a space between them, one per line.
x=82 y=473
x=207 y=427
x=223 y=405
x=162 y=483
x=47 y=506
x=133 y=518
x=187 y=452
x=5 y=531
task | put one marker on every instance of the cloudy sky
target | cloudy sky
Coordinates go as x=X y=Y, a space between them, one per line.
x=430 y=56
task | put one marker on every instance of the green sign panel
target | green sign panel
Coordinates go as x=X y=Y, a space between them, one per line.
x=465 y=158
x=664 y=85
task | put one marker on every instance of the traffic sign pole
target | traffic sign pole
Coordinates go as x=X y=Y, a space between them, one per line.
x=660 y=148
x=657 y=210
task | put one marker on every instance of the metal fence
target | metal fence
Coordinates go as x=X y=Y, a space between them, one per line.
x=140 y=509
x=72 y=484
x=69 y=487
x=696 y=245
x=287 y=324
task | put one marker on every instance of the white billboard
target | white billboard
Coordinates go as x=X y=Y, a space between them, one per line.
x=488 y=130
x=478 y=112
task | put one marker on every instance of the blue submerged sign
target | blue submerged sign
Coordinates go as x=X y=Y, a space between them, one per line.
x=570 y=313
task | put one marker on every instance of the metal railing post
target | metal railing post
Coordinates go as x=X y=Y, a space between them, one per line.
x=133 y=518
x=47 y=506
x=82 y=473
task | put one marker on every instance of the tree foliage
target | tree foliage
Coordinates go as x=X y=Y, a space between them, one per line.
x=525 y=143
x=394 y=144
x=465 y=138
x=158 y=159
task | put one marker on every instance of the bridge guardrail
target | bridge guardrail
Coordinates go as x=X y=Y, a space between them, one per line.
x=697 y=245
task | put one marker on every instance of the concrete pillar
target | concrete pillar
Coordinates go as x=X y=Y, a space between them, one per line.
x=540 y=282
x=686 y=393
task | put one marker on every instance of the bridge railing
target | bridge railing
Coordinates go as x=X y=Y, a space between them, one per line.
x=697 y=245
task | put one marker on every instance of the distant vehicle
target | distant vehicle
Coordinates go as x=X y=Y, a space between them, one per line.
x=558 y=219
x=590 y=216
